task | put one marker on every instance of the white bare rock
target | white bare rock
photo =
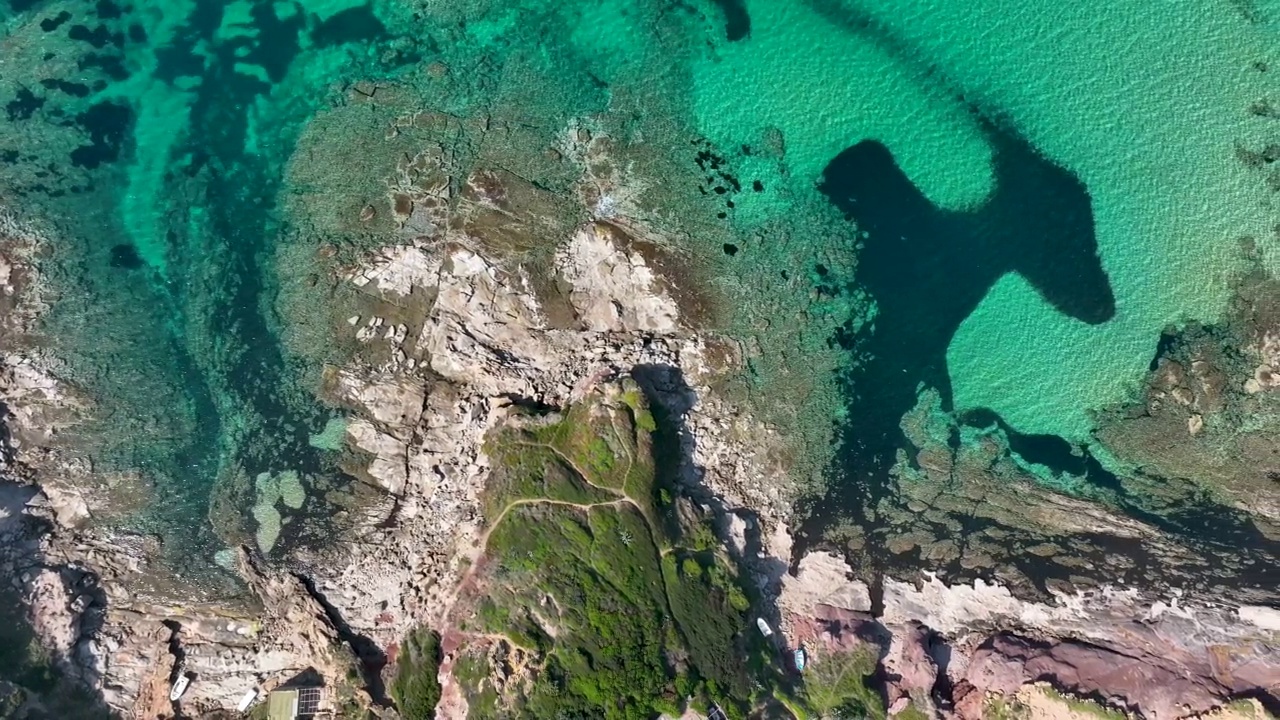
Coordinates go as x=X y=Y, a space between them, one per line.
x=822 y=578
x=614 y=289
x=394 y=400
x=948 y=608
x=1265 y=618
x=388 y=466
x=486 y=341
x=397 y=270
x=485 y=329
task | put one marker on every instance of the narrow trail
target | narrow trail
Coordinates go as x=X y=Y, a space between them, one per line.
x=483 y=540
x=586 y=477
x=469 y=579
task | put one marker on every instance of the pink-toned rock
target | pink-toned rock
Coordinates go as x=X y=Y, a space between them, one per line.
x=911 y=669
x=835 y=629
x=1158 y=685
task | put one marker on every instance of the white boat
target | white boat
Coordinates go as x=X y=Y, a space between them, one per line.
x=765 y=630
x=249 y=696
x=179 y=686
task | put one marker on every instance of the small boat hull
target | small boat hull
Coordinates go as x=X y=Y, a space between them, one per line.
x=179 y=687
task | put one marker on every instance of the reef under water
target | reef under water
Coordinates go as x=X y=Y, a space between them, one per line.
x=948 y=236
x=156 y=148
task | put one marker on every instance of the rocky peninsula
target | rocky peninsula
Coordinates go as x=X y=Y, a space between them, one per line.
x=556 y=484
x=701 y=359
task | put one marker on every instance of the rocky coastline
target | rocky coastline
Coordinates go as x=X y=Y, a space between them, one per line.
x=455 y=341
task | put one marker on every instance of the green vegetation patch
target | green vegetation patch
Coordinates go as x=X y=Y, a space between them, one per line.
x=525 y=470
x=1086 y=707
x=416 y=688
x=591 y=576
x=711 y=610
x=836 y=685
x=627 y=610
x=608 y=442
x=471 y=671
x=598 y=450
x=911 y=712
x=1004 y=708
x=641 y=415
x=587 y=438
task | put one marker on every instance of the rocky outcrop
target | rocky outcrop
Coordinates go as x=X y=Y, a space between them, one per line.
x=103 y=612
x=822 y=579
x=457 y=333
x=229 y=650
x=482 y=347
x=99 y=607
x=1152 y=684
x=1207 y=423
x=614 y=289
x=453 y=339
x=959 y=646
x=458 y=327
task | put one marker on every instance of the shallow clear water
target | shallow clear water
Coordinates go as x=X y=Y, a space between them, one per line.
x=157 y=145
x=1005 y=203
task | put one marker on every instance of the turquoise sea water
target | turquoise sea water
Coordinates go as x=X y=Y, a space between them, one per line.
x=1007 y=202
x=156 y=147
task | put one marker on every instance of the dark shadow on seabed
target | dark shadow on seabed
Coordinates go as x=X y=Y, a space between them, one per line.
x=737 y=23
x=927 y=269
